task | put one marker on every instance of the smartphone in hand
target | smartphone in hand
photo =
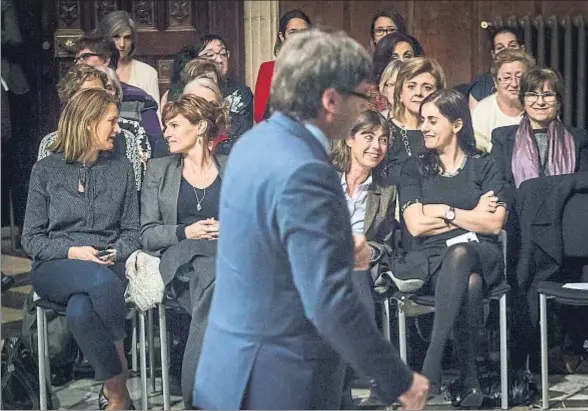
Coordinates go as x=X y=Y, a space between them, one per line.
x=105 y=254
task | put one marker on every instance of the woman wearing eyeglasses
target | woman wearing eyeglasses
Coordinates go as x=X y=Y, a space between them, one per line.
x=81 y=224
x=502 y=108
x=541 y=145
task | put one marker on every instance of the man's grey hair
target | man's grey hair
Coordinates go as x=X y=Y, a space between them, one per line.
x=310 y=63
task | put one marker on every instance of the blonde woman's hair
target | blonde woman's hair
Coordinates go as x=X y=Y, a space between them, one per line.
x=410 y=70
x=369 y=120
x=73 y=79
x=510 y=56
x=390 y=71
x=196 y=109
x=199 y=67
x=112 y=78
x=76 y=130
x=206 y=83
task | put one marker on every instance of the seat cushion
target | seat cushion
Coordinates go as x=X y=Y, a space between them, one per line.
x=50 y=305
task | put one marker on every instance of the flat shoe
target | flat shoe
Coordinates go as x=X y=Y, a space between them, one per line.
x=102 y=399
x=471 y=398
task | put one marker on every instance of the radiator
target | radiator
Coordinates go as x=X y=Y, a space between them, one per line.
x=559 y=43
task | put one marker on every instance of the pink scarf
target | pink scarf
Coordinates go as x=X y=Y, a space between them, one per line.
x=561 y=153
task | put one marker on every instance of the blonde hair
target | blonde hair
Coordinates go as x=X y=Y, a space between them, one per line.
x=206 y=83
x=76 y=129
x=410 y=70
x=199 y=67
x=510 y=56
x=196 y=109
x=390 y=71
x=73 y=79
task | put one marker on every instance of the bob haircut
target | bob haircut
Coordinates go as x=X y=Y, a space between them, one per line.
x=196 y=109
x=411 y=69
x=115 y=23
x=76 y=130
x=390 y=71
x=510 y=56
x=536 y=77
x=369 y=120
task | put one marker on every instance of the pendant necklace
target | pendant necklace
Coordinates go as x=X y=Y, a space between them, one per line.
x=200 y=200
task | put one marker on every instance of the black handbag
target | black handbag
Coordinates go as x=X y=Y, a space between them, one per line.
x=20 y=377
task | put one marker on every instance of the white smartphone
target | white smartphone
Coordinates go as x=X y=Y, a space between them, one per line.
x=463 y=238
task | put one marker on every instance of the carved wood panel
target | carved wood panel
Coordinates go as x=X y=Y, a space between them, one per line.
x=68 y=14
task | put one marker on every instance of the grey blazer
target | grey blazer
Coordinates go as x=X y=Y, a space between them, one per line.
x=159 y=201
x=379 y=223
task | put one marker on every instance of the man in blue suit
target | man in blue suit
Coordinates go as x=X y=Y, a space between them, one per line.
x=285 y=316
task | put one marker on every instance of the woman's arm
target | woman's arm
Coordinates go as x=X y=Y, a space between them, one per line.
x=155 y=235
x=426 y=220
x=128 y=240
x=35 y=236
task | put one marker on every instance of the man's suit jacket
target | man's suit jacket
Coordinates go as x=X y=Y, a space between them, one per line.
x=159 y=211
x=285 y=314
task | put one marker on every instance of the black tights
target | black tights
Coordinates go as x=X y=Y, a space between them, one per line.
x=459 y=302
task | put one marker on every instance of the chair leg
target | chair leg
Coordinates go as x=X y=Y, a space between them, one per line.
x=503 y=355
x=544 y=364
x=164 y=357
x=42 y=363
x=134 y=365
x=151 y=350
x=402 y=330
x=12 y=223
x=143 y=355
x=386 y=318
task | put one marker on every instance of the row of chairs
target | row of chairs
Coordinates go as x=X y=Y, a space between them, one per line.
x=547 y=291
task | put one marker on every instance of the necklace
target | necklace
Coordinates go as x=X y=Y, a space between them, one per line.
x=458 y=169
x=404 y=136
x=200 y=200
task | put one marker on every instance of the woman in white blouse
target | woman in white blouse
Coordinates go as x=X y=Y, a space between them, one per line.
x=119 y=26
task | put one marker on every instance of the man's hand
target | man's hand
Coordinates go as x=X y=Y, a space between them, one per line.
x=361 y=252
x=416 y=396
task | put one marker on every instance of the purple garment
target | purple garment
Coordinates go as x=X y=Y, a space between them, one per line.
x=148 y=118
x=561 y=153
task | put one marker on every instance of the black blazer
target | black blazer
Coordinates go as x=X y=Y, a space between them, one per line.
x=503 y=139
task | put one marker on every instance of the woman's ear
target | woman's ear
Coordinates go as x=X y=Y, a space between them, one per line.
x=457 y=125
x=349 y=141
x=201 y=127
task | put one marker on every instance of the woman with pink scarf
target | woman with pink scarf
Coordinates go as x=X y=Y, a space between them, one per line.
x=540 y=145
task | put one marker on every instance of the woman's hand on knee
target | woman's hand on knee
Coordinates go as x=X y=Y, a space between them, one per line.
x=86 y=253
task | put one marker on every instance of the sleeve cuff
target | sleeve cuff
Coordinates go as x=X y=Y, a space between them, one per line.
x=180 y=232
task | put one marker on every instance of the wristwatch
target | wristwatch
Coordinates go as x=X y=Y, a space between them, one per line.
x=450 y=215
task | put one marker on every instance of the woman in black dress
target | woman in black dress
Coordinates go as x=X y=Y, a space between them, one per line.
x=453 y=192
x=418 y=78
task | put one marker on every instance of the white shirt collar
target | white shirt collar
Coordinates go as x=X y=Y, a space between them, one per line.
x=319 y=135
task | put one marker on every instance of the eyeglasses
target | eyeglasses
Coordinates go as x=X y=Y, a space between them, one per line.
x=549 y=97
x=354 y=93
x=210 y=55
x=508 y=79
x=382 y=31
x=85 y=56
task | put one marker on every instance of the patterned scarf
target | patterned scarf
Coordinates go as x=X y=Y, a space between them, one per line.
x=561 y=153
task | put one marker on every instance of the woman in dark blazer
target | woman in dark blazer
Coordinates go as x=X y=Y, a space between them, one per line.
x=540 y=145
x=371 y=201
x=179 y=212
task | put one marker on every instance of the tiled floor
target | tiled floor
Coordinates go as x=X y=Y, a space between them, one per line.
x=566 y=391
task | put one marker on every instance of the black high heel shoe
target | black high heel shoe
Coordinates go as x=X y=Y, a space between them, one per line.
x=463 y=397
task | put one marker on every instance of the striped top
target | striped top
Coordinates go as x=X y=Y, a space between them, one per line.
x=105 y=214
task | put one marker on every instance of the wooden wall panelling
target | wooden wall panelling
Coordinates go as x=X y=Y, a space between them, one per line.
x=333 y=14
x=361 y=13
x=226 y=18
x=444 y=29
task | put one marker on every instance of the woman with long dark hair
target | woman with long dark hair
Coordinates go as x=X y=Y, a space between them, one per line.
x=451 y=198
x=290 y=23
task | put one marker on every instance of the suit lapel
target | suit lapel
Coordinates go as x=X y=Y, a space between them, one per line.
x=372 y=207
x=170 y=192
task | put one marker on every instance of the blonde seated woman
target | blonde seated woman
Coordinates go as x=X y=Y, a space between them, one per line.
x=81 y=224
